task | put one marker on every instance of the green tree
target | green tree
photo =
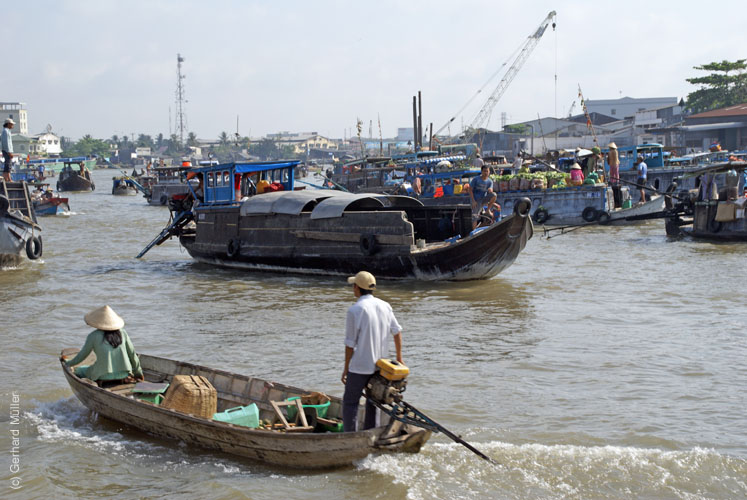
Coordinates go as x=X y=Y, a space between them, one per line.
x=725 y=86
x=159 y=140
x=191 y=139
x=265 y=149
x=87 y=146
x=144 y=141
x=223 y=138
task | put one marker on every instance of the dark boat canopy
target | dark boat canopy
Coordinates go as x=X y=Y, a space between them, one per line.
x=323 y=203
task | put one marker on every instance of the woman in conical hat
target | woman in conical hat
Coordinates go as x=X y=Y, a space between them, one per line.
x=116 y=360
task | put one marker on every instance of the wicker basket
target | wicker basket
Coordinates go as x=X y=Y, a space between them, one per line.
x=192 y=394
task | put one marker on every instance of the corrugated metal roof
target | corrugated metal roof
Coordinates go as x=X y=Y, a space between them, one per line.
x=736 y=110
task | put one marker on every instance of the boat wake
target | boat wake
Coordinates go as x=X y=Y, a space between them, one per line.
x=447 y=470
x=69 y=423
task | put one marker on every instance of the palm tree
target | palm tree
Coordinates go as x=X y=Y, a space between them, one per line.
x=223 y=139
x=191 y=139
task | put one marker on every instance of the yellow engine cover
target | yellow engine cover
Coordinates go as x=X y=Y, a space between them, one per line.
x=392 y=370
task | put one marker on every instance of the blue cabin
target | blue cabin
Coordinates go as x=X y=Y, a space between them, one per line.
x=229 y=183
x=652 y=153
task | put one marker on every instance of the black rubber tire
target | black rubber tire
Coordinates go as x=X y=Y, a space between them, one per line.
x=93 y=187
x=368 y=244
x=34 y=247
x=232 y=247
x=715 y=226
x=163 y=199
x=522 y=207
x=603 y=217
x=541 y=215
x=4 y=204
x=589 y=214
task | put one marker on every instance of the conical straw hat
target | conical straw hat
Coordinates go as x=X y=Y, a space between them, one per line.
x=104 y=318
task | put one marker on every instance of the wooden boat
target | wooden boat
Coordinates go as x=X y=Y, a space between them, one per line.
x=306 y=450
x=19 y=231
x=166 y=182
x=123 y=186
x=73 y=178
x=709 y=212
x=46 y=203
x=330 y=232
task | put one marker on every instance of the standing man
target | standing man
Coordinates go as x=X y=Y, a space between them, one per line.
x=369 y=323
x=481 y=193
x=642 y=173
x=478 y=162
x=6 y=144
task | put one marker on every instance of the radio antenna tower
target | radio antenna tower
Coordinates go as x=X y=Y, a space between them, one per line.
x=181 y=117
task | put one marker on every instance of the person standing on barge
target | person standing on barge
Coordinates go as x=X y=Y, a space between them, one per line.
x=613 y=160
x=368 y=326
x=642 y=174
x=6 y=142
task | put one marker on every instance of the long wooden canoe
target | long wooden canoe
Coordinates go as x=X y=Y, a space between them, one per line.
x=305 y=450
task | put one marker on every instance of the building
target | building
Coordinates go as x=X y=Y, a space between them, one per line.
x=302 y=141
x=16 y=111
x=626 y=107
x=726 y=126
x=46 y=144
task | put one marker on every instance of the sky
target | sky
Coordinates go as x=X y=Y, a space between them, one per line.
x=104 y=68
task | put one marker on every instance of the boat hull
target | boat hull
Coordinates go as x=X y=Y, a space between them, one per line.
x=295 y=244
x=294 y=450
x=74 y=182
x=14 y=233
x=53 y=206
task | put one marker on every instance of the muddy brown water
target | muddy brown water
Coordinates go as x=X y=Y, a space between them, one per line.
x=605 y=363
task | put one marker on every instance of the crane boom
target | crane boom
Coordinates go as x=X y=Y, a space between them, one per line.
x=483 y=116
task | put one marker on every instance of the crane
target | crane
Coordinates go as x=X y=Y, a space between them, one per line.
x=483 y=116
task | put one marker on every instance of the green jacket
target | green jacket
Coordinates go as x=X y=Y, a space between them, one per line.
x=112 y=363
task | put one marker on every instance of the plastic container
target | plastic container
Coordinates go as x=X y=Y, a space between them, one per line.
x=246 y=416
x=627 y=204
x=151 y=398
x=321 y=409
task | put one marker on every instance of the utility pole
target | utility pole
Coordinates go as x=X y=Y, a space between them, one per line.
x=181 y=117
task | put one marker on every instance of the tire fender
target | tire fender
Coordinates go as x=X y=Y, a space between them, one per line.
x=163 y=199
x=589 y=214
x=232 y=247
x=522 y=207
x=603 y=217
x=541 y=215
x=34 y=247
x=368 y=244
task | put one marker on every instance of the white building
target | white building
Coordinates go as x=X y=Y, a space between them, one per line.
x=16 y=111
x=46 y=144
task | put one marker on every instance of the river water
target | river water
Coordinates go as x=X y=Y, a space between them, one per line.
x=605 y=363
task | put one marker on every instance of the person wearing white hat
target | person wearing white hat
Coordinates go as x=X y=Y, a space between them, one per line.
x=6 y=144
x=369 y=324
x=116 y=359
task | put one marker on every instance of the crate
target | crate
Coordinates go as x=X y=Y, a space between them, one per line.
x=246 y=416
x=315 y=400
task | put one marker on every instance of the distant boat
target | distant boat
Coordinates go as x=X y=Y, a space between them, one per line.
x=123 y=186
x=19 y=231
x=46 y=203
x=75 y=178
x=295 y=448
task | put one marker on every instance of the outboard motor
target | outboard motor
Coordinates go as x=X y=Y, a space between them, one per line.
x=388 y=382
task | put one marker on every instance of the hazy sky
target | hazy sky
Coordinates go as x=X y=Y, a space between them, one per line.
x=103 y=67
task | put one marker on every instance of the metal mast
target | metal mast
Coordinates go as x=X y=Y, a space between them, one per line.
x=181 y=117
